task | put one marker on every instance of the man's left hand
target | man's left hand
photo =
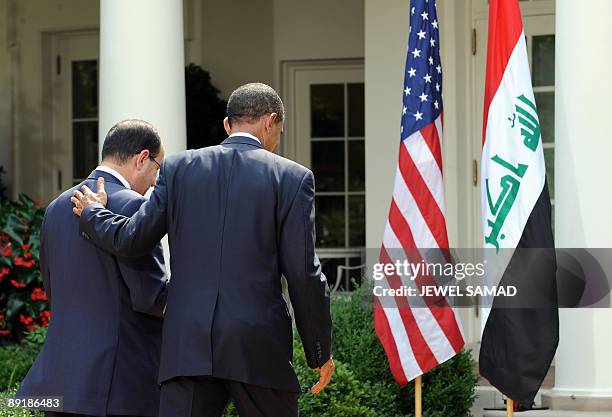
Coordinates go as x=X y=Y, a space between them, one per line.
x=85 y=197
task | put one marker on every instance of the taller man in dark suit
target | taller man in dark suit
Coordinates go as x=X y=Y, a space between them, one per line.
x=103 y=345
x=238 y=217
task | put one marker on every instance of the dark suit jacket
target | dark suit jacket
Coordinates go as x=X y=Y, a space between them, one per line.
x=237 y=217
x=101 y=353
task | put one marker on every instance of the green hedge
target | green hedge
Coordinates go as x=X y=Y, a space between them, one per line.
x=362 y=385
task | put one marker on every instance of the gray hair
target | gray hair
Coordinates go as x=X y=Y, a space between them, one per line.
x=252 y=101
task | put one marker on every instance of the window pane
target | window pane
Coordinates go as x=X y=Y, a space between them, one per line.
x=328 y=165
x=84 y=89
x=330 y=221
x=84 y=148
x=356 y=109
x=356 y=220
x=544 y=60
x=327 y=110
x=546 y=114
x=549 y=160
x=356 y=155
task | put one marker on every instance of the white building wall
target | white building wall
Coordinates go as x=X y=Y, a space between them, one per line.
x=5 y=96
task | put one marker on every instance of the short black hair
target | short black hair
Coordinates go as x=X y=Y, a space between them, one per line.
x=128 y=138
x=252 y=101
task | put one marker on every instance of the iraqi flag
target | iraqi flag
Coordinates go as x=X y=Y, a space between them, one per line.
x=518 y=344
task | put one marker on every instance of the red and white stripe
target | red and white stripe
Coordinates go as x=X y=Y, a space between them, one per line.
x=416 y=338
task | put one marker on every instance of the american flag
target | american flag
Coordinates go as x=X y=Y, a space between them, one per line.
x=418 y=338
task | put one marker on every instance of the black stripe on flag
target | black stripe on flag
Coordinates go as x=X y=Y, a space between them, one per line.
x=518 y=344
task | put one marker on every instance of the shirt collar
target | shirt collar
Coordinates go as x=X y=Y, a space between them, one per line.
x=248 y=135
x=115 y=174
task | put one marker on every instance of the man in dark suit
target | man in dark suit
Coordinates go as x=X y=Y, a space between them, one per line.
x=103 y=345
x=238 y=217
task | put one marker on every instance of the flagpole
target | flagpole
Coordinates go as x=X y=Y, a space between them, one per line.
x=418 y=397
x=509 y=408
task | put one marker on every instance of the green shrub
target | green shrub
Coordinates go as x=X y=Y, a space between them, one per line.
x=23 y=302
x=16 y=360
x=5 y=411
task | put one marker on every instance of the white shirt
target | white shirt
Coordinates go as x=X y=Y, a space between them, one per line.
x=248 y=135
x=114 y=174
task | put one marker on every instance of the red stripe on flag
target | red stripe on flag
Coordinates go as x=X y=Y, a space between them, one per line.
x=381 y=325
x=438 y=306
x=505 y=28
x=425 y=201
x=430 y=134
x=420 y=348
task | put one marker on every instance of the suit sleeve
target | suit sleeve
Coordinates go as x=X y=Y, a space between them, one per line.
x=145 y=276
x=129 y=236
x=306 y=283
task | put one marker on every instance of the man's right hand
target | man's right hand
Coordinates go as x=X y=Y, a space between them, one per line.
x=85 y=197
x=326 y=371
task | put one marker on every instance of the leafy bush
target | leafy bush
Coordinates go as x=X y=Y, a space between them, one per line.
x=16 y=360
x=205 y=110
x=363 y=385
x=23 y=302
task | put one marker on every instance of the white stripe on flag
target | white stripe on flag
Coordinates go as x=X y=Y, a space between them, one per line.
x=426 y=322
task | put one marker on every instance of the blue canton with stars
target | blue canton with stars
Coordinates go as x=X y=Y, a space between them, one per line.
x=423 y=77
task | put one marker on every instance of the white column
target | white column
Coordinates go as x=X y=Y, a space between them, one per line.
x=583 y=171
x=142 y=67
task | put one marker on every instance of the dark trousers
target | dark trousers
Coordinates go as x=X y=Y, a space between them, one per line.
x=54 y=414
x=208 y=397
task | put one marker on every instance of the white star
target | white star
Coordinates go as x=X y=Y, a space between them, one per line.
x=416 y=53
x=425 y=16
x=411 y=72
x=402 y=129
x=435 y=24
x=427 y=78
x=432 y=42
x=404 y=110
x=412 y=11
x=430 y=60
x=437 y=87
x=423 y=97
x=407 y=91
x=418 y=115
x=422 y=34
x=439 y=69
x=436 y=104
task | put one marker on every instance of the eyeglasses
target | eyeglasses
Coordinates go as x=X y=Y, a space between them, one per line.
x=153 y=159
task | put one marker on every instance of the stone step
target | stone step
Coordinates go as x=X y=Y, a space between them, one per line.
x=550 y=413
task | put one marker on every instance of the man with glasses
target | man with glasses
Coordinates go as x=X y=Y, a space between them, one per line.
x=102 y=350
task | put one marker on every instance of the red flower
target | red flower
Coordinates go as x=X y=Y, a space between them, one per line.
x=27 y=320
x=39 y=294
x=32 y=327
x=45 y=316
x=4 y=237
x=7 y=250
x=4 y=332
x=26 y=247
x=26 y=264
x=27 y=255
x=18 y=284
x=37 y=203
x=3 y=272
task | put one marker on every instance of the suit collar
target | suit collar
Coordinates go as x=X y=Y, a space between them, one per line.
x=241 y=139
x=95 y=174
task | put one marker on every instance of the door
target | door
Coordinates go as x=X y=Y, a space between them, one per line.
x=327 y=135
x=75 y=110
